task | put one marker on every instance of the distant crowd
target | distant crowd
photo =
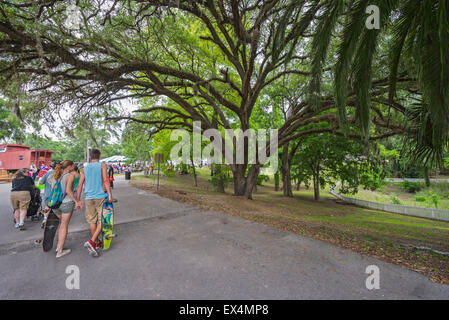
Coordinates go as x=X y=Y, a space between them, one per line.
x=117 y=168
x=95 y=180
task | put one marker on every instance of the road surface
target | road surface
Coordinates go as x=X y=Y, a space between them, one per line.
x=169 y=250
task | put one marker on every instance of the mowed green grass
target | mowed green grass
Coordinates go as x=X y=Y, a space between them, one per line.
x=358 y=222
x=394 y=190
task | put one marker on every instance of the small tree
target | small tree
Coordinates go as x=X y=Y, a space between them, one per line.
x=326 y=159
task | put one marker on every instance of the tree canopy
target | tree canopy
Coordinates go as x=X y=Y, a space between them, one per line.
x=312 y=64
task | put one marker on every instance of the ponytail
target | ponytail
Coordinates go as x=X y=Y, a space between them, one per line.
x=58 y=172
x=61 y=167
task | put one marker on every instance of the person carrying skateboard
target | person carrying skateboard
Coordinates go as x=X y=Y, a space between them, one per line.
x=95 y=179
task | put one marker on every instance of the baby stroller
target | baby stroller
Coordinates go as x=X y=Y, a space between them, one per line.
x=35 y=206
x=34 y=209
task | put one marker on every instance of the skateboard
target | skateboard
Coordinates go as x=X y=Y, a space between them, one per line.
x=115 y=200
x=107 y=224
x=51 y=225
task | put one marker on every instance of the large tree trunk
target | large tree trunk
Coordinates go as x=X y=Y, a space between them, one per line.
x=244 y=185
x=220 y=182
x=286 y=178
x=238 y=173
x=251 y=181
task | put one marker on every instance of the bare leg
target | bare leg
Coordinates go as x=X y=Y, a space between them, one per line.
x=95 y=229
x=23 y=214
x=63 y=229
x=17 y=215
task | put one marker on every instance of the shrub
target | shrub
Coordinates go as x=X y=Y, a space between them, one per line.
x=224 y=175
x=411 y=187
x=261 y=179
x=433 y=198
x=420 y=199
x=395 y=200
x=382 y=188
x=168 y=171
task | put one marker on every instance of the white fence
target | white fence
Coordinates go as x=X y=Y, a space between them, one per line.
x=436 y=214
x=396 y=180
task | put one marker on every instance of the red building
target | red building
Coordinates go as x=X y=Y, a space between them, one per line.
x=14 y=157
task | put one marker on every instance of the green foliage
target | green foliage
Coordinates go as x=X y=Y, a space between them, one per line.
x=411 y=187
x=168 y=171
x=420 y=199
x=197 y=62
x=136 y=142
x=261 y=179
x=225 y=175
x=395 y=200
x=339 y=159
x=10 y=127
x=433 y=198
x=373 y=180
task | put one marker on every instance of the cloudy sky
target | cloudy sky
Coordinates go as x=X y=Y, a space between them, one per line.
x=51 y=130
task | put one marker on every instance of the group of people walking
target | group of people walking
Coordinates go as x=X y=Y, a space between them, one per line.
x=94 y=178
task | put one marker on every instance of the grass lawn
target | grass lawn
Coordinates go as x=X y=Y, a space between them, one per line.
x=394 y=193
x=387 y=236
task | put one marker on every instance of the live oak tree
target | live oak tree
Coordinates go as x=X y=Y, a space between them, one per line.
x=203 y=55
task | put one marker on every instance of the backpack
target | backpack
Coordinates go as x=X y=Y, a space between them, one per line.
x=56 y=195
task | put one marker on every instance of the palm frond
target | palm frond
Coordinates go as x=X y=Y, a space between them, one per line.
x=320 y=45
x=351 y=35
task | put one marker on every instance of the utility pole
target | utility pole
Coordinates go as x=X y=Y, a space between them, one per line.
x=87 y=151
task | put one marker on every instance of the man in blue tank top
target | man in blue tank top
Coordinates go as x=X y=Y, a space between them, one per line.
x=95 y=179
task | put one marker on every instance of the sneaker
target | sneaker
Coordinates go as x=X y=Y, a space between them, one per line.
x=21 y=226
x=98 y=245
x=17 y=225
x=63 y=253
x=90 y=246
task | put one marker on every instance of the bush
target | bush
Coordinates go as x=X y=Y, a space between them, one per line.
x=395 y=200
x=411 y=187
x=168 y=171
x=224 y=175
x=261 y=179
x=433 y=198
x=382 y=188
x=420 y=199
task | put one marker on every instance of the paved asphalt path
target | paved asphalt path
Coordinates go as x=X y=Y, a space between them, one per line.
x=168 y=250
